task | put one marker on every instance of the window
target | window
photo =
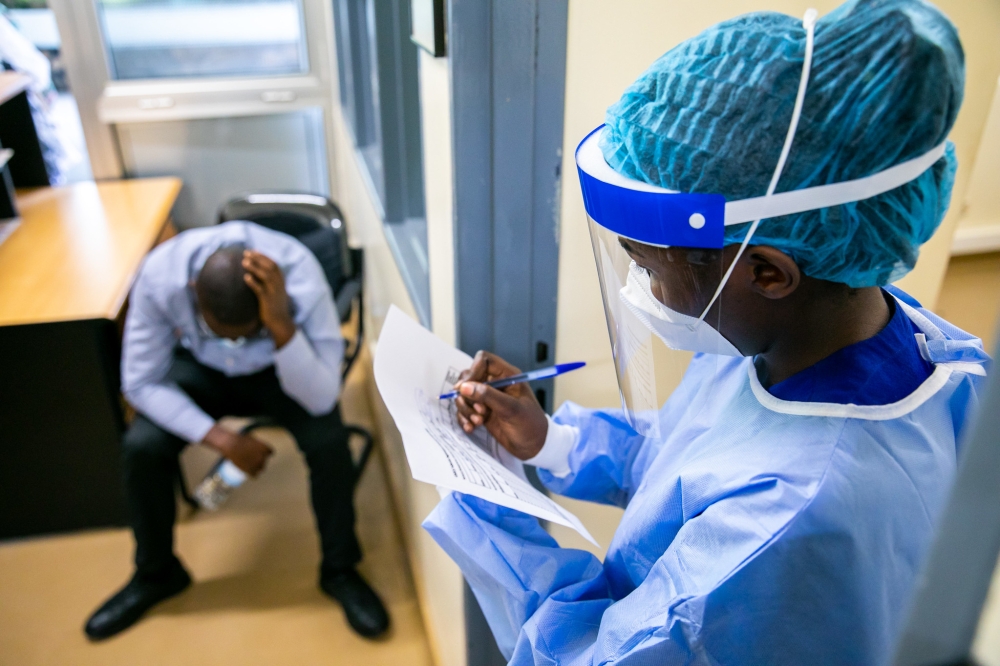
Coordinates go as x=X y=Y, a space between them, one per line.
x=379 y=94
x=377 y=63
x=148 y=39
x=222 y=157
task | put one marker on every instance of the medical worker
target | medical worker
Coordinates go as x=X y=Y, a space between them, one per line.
x=750 y=198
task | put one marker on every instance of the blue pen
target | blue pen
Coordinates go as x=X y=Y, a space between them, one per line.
x=534 y=375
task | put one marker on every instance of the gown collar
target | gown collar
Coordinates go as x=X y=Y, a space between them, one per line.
x=853 y=382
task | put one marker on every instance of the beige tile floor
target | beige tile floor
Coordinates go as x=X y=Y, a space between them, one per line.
x=254 y=600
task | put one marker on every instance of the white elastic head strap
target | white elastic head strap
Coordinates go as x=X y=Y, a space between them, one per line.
x=809 y=23
x=834 y=194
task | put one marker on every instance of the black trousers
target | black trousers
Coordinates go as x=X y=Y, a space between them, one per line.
x=151 y=462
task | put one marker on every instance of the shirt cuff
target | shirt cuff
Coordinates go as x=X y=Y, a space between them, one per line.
x=296 y=354
x=554 y=456
x=197 y=429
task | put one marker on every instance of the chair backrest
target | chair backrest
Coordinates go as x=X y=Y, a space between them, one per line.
x=313 y=220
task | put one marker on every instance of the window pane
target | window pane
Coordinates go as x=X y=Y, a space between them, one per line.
x=380 y=98
x=219 y=158
x=176 y=38
x=358 y=83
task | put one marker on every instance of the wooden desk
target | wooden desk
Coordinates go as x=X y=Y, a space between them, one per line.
x=78 y=248
x=65 y=274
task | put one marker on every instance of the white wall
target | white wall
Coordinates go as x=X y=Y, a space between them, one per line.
x=978 y=23
x=609 y=45
x=437 y=578
x=982 y=200
x=435 y=98
x=978 y=228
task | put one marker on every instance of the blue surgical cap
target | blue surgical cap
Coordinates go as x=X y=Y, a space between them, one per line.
x=885 y=86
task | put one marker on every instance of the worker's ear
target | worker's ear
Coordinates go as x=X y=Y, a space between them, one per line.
x=775 y=274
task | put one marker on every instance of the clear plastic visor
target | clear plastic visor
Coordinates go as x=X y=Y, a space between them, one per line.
x=654 y=298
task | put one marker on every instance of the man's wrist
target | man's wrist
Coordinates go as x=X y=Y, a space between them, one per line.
x=282 y=332
x=219 y=439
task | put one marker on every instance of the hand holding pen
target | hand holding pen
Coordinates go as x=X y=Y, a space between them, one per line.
x=533 y=375
x=510 y=413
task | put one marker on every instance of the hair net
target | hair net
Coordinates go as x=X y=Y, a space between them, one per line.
x=885 y=86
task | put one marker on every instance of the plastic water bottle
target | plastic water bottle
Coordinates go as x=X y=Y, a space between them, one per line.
x=219 y=484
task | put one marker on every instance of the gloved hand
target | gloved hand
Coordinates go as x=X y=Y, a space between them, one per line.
x=511 y=414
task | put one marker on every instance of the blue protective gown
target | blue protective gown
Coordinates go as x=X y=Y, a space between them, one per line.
x=757 y=529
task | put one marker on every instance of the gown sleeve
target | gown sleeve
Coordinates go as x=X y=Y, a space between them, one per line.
x=552 y=605
x=610 y=458
x=601 y=463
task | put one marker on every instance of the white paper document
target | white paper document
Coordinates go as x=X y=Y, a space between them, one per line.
x=412 y=368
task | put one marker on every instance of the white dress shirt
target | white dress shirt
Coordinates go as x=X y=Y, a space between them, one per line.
x=163 y=314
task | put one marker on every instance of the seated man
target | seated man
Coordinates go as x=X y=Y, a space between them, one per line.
x=232 y=320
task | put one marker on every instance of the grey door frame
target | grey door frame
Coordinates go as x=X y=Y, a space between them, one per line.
x=507 y=61
x=507 y=135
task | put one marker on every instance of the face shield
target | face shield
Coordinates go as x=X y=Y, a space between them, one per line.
x=658 y=282
x=662 y=271
x=662 y=267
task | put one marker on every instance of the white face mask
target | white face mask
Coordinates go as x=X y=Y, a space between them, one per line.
x=678 y=331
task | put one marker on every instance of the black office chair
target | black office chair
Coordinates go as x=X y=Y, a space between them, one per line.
x=317 y=223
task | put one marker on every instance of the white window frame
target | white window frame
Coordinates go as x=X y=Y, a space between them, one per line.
x=105 y=102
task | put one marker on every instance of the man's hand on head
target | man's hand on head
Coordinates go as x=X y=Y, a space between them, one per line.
x=267 y=281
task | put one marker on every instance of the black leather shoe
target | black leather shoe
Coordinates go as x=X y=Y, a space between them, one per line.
x=130 y=603
x=364 y=610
